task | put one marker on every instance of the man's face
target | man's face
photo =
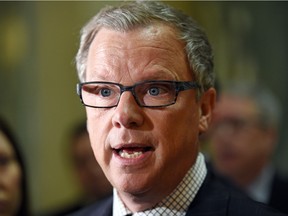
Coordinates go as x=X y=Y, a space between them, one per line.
x=240 y=145
x=162 y=141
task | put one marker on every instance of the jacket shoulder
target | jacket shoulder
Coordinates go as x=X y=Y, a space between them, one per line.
x=218 y=197
x=279 y=191
x=103 y=208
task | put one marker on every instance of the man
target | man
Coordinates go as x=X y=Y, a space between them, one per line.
x=243 y=139
x=146 y=73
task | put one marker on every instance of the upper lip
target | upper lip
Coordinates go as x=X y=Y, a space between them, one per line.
x=120 y=146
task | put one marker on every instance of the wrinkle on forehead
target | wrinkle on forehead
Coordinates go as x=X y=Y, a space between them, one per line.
x=152 y=48
x=157 y=33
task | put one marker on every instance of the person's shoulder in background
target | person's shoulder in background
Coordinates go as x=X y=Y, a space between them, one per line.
x=279 y=191
x=238 y=203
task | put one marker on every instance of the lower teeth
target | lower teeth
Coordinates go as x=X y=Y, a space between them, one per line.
x=129 y=155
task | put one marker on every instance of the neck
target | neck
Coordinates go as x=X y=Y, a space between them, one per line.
x=150 y=198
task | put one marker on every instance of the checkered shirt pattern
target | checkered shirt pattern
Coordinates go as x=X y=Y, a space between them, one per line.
x=177 y=203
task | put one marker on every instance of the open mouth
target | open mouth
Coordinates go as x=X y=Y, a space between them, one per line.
x=132 y=152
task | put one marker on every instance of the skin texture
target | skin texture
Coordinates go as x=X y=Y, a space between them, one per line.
x=242 y=152
x=10 y=179
x=171 y=133
x=88 y=172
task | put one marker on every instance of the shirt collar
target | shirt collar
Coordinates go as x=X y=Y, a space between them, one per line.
x=178 y=201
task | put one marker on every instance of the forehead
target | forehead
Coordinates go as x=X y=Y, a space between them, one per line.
x=156 y=47
x=156 y=33
x=5 y=146
x=233 y=105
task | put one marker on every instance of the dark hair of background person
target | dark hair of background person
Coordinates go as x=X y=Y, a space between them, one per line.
x=7 y=131
x=93 y=184
x=83 y=160
x=81 y=128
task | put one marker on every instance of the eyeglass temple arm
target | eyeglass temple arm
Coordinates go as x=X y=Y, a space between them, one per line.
x=187 y=85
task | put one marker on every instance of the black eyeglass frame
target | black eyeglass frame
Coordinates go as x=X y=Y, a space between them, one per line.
x=179 y=86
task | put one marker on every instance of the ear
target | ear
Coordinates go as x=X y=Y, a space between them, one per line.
x=207 y=104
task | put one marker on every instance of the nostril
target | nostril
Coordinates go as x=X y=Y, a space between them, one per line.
x=127 y=119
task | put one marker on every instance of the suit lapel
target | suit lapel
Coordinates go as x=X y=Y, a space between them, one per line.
x=103 y=209
x=211 y=199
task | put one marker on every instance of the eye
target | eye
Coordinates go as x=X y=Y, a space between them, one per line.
x=4 y=160
x=154 y=91
x=105 y=92
x=101 y=90
x=158 y=89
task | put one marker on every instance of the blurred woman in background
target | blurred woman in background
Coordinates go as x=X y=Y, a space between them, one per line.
x=13 y=188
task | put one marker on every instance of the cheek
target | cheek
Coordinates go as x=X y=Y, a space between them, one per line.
x=97 y=137
x=98 y=125
x=14 y=178
x=177 y=127
x=247 y=143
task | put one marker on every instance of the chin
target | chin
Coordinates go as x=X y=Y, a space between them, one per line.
x=133 y=185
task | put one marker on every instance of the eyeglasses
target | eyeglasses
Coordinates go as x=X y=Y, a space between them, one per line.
x=235 y=125
x=152 y=93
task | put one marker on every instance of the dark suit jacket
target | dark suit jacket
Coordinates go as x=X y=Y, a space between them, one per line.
x=215 y=198
x=279 y=192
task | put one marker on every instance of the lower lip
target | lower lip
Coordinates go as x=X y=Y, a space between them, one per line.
x=138 y=161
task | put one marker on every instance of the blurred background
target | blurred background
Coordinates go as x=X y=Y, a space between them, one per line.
x=38 y=42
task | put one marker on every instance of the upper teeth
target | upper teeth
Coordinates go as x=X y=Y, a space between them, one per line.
x=125 y=154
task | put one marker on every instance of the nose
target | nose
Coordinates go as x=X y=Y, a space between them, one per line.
x=128 y=113
x=223 y=134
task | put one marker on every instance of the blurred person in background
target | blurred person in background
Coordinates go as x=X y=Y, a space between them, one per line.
x=90 y=177
x=244 y=136
x=89 y=174
x=13 y=188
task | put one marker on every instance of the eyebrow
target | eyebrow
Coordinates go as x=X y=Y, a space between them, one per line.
x=143 y=75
